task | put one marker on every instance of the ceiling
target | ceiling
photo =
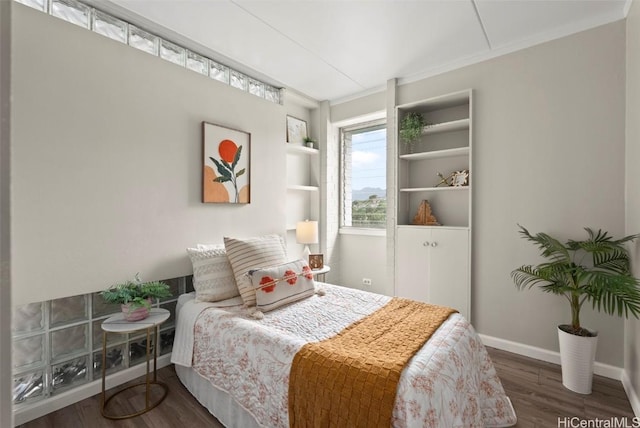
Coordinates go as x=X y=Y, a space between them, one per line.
x=333 y=50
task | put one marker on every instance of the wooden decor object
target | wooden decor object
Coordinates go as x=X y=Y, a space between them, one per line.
x=424 y=215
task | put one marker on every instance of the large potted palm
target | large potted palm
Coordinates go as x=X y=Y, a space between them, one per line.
x=595 y=270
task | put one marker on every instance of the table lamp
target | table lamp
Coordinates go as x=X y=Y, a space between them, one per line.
x=307 y=233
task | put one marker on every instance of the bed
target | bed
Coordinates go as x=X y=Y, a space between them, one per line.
x=238 y=366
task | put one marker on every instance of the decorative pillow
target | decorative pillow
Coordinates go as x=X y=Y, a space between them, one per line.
x=213 y=278
x=276 y=286
x=253 y=253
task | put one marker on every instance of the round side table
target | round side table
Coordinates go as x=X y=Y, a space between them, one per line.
x=117 y=324
x=322 y=271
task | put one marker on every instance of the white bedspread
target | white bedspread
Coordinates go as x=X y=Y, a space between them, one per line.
x=450 y=382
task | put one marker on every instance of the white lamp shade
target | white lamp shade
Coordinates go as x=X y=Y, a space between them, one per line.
x=307 y=232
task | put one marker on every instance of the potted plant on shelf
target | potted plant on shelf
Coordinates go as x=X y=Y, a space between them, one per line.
x=309 y=142
x=411 y=128
x=135 y=297
x=594 y=270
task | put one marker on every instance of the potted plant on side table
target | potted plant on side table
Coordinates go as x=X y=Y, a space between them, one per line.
x=594 y=270
x=135 y=297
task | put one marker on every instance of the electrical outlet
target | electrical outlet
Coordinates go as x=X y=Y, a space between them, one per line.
x=366 y=281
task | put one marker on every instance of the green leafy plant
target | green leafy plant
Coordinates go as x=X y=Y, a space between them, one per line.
x=411 y=127
x=595 y=270
x=136 y=292
x=308 y=140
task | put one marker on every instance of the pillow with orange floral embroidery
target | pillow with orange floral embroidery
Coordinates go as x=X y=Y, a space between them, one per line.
x=277 y=286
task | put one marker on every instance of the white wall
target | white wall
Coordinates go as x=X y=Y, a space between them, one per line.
x=107 y=153
x=632 y=181
x=6 y=385
x=548 y=154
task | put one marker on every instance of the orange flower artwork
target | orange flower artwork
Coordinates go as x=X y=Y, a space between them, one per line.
x=226 y=164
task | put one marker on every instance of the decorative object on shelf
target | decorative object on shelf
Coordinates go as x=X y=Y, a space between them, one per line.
x=444 y=180
x=226 y=173
x=595 y=270
x=307 y=233
x=411 y=128
x=309 y=142
x=316 y=261
x=460 y=178
x=296 y=130
x=135 y=297
x=424 y=216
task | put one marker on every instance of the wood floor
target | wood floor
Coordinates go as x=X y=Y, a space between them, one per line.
x=534 y=387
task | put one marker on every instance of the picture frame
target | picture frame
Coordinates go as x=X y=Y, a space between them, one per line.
x=226 y=165
x=316 y=261
x=460 y=178
x=296 y=130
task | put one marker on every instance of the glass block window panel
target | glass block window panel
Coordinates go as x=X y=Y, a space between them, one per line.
x=272 y=94
x=197 y=63
x=69 y=340
x=115 y=361
x=171 y=307
x=69 y=373
x=138 y=351
x=28 y=351
x=112 y=338
x=189 y=284
x=166 y=341
x=238 y=80
x=109 y=26
x=29 y=317
x=256 y=88
x=142 y=40
x=172 y=52
x=174 y=288
x=102 y=308
x=68 y=310
x=28 y=387
x=36 y=4
x=71 y=11
x=219 y=72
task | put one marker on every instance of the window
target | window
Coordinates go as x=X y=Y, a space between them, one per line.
x=364 y=175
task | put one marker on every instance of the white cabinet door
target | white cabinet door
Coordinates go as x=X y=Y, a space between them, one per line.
x=433 y=266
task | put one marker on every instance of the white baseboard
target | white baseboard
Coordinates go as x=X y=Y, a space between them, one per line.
x=41 y=408
x=631 y=393
x=600 y=369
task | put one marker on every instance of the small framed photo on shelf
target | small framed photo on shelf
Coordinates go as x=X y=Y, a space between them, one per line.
x=460 y=178
x=296 y=130
x=316 y=261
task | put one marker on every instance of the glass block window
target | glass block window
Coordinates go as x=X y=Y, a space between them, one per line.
x=238 y=80
x=28 y=387
x=109 y=26
x=28 y=351
x=272 y=94
x=36 y=4
x=68 y=309
x=256 y=88
x=115 y=361
x=29 y=317
x=172 y=52
x=197 y=63
x=166 y=340
x=112 y=338
x=100 y=307
x=219 y=72
x=70 y=340
x=144 y=41
x=72 y=11
x=70 y=373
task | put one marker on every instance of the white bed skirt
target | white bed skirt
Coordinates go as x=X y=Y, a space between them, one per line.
x=219 y=403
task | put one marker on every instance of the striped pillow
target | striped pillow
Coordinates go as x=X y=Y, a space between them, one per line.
x=253 y=253
x=213 y=278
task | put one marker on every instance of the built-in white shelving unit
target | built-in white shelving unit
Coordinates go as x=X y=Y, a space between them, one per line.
x=302 y=184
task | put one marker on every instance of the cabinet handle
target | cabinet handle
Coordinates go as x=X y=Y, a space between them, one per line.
x=426 y=243
x=434 y=244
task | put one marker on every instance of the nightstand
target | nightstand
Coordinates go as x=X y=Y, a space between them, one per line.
x=117 y=324
x=322 y=271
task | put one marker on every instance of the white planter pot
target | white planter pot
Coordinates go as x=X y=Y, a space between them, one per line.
x=577 y=354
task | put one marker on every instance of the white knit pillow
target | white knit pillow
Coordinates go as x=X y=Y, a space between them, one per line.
x=253 y=253
x=213 y=278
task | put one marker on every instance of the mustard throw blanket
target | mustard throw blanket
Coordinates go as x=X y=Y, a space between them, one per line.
x=350 y=380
